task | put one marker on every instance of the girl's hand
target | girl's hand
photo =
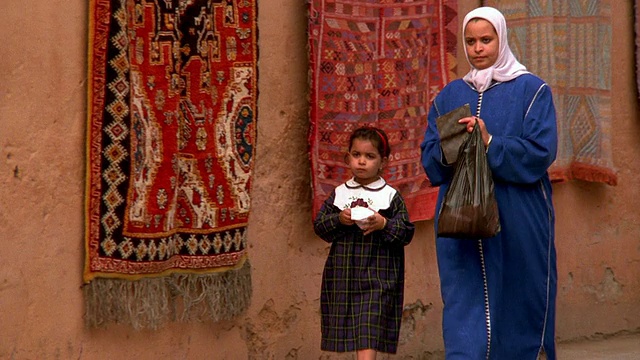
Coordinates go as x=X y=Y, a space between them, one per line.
x=374 y=222
x=471 y=121
x=345 y=217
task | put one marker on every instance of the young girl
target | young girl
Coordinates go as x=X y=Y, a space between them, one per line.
x=363 y=278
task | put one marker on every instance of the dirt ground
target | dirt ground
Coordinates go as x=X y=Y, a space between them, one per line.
x=622 y=347
x=611 y=347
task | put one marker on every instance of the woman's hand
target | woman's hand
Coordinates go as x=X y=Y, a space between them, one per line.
x=470 y=121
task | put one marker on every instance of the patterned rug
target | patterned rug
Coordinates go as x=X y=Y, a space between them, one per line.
x=568 y=44
x=170 y=143
x=379 y=63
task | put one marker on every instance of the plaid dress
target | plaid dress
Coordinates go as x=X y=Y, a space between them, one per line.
x=363 y=279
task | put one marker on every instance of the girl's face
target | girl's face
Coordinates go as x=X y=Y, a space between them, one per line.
x=365 y=161
x=482 y=43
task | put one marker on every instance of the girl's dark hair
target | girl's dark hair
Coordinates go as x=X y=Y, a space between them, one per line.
x=377 y=137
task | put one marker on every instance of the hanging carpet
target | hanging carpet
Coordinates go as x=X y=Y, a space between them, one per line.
x=377 y=63
x=568 y=44
x=170 y=142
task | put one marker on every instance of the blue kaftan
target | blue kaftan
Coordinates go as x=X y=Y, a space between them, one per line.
x=499 y=293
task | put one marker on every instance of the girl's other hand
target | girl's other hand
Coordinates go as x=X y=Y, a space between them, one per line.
x=345 y=217
x=375 y=222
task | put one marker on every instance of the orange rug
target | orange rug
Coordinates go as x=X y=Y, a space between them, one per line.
x=170 y=143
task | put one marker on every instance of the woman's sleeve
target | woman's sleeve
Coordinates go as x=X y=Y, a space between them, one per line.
x=327 y=223
x=527 y=158
x=398 y=229
x=432 y=157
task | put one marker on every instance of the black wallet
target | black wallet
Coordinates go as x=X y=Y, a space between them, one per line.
x=452 y=133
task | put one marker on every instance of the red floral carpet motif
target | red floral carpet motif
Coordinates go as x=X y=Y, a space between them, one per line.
x=378 y=63
x=170 y=142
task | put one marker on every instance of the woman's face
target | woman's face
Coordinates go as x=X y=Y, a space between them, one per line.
x=482 y=43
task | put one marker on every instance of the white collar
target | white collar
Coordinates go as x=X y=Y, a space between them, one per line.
x=373 y=186
x=377 y=195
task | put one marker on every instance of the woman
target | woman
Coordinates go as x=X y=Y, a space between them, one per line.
x=499 y=293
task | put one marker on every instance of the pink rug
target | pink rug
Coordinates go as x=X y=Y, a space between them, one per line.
x=379 y=63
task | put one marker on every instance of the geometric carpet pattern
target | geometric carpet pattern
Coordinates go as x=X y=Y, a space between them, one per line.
x=568 y=44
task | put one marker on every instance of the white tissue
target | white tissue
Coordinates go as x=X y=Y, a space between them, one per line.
x=360 y=214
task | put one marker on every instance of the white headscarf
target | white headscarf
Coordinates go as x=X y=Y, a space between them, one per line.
x=506 y=66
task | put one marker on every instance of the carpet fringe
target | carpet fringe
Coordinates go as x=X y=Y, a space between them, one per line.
x=585 y=172
x=149 y=303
